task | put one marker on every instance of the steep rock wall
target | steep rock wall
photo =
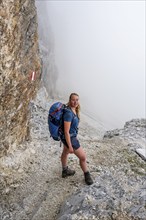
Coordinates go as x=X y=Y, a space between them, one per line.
x=19 y=59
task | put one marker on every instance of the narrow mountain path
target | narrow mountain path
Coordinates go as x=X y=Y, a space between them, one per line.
x=36 y=190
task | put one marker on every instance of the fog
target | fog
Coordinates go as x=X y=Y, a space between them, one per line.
x=96 y=49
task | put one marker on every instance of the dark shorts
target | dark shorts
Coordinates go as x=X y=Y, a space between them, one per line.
x=74 y=141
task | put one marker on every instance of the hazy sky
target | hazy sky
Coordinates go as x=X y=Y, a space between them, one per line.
x=99 y=49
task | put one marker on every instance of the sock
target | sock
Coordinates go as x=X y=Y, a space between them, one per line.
x=64 y=168
x=85 y=173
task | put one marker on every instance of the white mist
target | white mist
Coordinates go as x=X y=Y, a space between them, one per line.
x=98 y=52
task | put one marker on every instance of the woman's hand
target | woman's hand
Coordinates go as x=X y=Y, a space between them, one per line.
x=70 y=150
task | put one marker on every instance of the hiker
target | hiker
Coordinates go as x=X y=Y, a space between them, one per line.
x=70 y=141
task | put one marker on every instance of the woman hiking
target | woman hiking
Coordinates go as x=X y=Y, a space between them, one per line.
x=70 y=141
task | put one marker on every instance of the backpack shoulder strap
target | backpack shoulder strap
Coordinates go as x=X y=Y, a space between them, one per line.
x=66 y=108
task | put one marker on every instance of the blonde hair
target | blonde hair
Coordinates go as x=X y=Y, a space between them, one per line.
x=78 y=108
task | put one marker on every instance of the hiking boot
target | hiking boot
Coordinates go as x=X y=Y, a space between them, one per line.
x=88 y=178
x=67 y=172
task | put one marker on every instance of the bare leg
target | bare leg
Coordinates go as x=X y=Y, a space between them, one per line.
x=65 y=170
x=82 y=158
x=64 y=156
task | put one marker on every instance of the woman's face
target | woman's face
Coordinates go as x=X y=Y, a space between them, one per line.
x=74 y=101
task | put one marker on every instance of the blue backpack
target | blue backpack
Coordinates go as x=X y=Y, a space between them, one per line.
x=55 y=120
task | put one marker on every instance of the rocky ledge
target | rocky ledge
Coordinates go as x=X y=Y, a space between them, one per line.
x=119 y=190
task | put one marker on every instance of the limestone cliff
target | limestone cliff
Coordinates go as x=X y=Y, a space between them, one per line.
x=19 y=61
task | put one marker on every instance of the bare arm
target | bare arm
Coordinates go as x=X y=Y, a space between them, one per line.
x=67 y=135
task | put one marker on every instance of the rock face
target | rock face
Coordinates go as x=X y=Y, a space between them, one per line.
x=133 y=129
x=19 y=59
